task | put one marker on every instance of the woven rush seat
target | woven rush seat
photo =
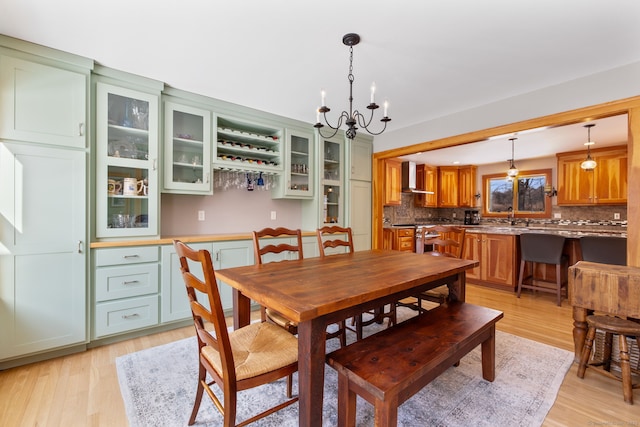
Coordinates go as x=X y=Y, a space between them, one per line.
x=257 y=348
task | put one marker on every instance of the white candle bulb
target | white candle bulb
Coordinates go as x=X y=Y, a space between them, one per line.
x=373 y=91
x=323 y=95
x=318 y=115
x=386 y=107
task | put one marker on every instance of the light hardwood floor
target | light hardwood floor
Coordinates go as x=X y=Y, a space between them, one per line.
x=82 y=389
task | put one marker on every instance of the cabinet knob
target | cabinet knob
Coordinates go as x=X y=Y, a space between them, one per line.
x=79 y=246
x=81 y=129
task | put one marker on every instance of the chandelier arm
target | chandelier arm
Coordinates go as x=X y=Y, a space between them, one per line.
x=361 y=122
x=343 y=116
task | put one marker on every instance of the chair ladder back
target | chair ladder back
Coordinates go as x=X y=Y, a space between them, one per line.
x=201 y=313
x=450 y=240
x=278 y=248
x=328 y=238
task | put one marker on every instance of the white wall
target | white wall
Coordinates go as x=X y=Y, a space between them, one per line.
x=611 y=85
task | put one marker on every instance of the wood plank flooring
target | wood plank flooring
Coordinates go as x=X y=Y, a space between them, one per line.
x=82 y=389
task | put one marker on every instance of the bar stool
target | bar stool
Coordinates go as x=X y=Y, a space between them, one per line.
x=604 y=249
x=611 y=326
x=539 y=248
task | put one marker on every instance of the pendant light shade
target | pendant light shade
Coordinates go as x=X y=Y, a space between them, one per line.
x=589 y=164
x=512 y=172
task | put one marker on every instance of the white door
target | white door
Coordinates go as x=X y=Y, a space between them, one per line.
x=42 y=248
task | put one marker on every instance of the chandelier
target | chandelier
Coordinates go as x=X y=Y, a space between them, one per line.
x=351 y=118
x=589 y=164
x=512 y=172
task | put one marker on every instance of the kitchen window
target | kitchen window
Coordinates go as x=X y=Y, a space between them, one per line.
x=524 y=195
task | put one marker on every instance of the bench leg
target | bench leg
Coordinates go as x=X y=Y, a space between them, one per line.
x=346 y=403
x=386 y=413
x=489 y=356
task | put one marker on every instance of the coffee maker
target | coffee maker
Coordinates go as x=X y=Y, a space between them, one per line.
x=471 y=218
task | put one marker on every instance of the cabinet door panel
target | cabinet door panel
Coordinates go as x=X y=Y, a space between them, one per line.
x=472 y=247
x=42 y=283
x=42 y=103
x=228 y=255
x=497 y=253
x=611 y=182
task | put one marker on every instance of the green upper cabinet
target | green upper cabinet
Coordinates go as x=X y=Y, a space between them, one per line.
x=42 y=103
x=296 y=180
x=126 y=162
x=187 y=149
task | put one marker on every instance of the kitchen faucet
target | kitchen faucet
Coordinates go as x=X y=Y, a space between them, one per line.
x=510 y=216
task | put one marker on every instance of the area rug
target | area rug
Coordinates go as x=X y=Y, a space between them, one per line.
x=158 y=387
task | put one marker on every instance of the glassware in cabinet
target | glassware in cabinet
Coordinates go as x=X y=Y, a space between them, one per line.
x=126 y=162
x=187 y=161
x=296 y=181
x=332 y=161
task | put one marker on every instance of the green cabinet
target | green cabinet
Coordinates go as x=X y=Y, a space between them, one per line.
x=42 y=103
x=297 y=178
x=224 y=254
x=127 y=194
x=125 y=293
x=187 y=150
x=43 y=256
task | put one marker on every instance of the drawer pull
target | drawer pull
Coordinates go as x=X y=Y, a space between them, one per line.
x=130 y=282
x=130 y=316
x=131 y=256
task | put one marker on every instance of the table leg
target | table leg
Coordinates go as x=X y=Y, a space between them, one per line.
x=457 y=287
x=579 y=331
x=311 y=360
x=241 y=310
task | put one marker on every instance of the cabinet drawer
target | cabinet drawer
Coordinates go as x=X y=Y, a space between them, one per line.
x=405 y=244
x=405 y=232
x=114 y=317
x=132 y=255
x=124 y=282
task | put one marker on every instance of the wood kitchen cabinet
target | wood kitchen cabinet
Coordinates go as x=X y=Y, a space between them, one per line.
x=393 y=182
x=447 y=187
x=467 y=186
x=399 y=239
x=498 y=257
x=426 y=180
x=605 y=185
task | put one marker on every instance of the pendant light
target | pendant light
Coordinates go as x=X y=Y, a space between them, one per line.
x=513 y=170
x=589 y=164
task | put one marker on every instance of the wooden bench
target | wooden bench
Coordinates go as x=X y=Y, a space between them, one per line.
x=389 y=367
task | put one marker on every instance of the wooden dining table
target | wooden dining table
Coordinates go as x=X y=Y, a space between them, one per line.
x=315 y=292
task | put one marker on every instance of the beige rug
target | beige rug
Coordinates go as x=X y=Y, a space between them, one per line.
x=158 y=387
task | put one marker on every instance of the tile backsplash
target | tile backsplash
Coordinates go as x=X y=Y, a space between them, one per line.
x=408 y=213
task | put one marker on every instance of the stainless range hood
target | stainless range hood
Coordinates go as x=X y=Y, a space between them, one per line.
x=409 y=179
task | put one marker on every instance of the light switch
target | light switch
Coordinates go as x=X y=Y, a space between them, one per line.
x=200 y=215
x=273 y=215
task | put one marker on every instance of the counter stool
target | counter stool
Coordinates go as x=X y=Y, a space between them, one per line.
x=539 y=248
x=604 y=249
x=611 y=326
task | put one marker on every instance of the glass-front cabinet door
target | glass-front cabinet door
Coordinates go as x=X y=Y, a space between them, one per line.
x=126 y=162
x=187 y=149
x=332 y=181
x=299 y=168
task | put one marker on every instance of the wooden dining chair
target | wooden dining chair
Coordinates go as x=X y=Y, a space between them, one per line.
x=262 y=250
x=332 y=239
x=439 y=240
x=253 y=355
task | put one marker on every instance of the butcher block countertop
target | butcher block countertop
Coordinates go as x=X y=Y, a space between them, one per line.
x=168 y=240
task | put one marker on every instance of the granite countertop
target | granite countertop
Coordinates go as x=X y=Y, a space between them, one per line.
x=567 y=231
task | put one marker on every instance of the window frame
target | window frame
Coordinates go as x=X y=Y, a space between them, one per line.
x=486 y=191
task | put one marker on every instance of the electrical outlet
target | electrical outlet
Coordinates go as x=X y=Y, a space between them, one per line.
x=557 y=215
x=454 y=215
x=616 y=215
x=273 y=215
x=200 y=215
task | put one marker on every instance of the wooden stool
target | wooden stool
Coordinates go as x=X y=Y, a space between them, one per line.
x=610 y=326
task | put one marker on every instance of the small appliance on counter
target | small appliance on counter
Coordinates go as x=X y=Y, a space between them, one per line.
x=471 y=218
